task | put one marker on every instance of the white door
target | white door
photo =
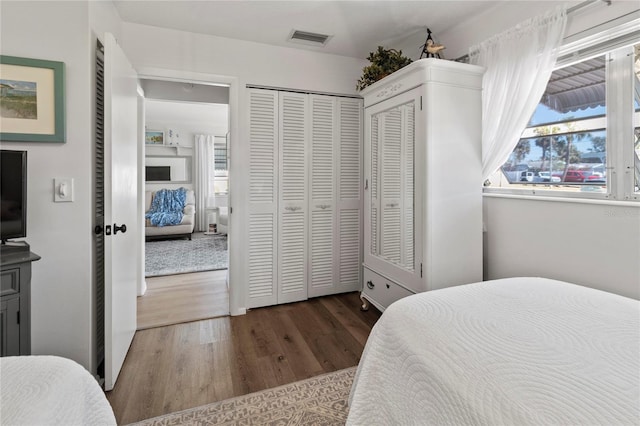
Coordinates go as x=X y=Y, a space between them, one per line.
x=292 y=205
x=322 y=188
x=263 y=198
x=335 y=207
x=120 y=181
x=348 y=255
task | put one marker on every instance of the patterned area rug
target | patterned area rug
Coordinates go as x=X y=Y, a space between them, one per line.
x=201 y=253
x=320 y=400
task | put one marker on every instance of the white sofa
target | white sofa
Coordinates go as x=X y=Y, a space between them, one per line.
x=184 y=228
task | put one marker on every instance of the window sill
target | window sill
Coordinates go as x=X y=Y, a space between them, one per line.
x=559 y=196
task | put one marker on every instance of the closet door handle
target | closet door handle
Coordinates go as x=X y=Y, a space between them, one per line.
x=371 y=285
x=293 y=208
x=323 y=206
x=122 y=228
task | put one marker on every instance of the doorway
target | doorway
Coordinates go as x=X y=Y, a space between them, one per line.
x=187 y=278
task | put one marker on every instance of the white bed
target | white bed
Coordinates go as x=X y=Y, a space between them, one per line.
x=510 y=352
x=49 y=390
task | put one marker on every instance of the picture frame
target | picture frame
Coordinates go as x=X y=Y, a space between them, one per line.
x=154 y=137
x=32 y=100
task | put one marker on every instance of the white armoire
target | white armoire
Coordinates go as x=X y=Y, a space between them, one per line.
x=423 y=180
x=305 y=196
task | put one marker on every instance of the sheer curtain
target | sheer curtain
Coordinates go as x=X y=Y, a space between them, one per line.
x=204 y=179
x=519 y=63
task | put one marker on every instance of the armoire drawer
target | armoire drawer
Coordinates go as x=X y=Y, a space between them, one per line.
x=381 y=291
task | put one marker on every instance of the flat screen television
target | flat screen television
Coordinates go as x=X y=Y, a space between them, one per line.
x=157 y=173
x=13 y=194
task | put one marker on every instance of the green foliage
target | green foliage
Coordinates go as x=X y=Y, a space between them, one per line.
x=383 y=62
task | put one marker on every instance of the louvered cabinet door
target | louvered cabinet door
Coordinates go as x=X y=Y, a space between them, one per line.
x=323 y=230
x=348 y=256
x=292 y=214
x=263 y=198
x=391 y=185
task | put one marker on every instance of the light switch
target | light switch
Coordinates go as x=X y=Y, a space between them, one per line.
x=62 y=190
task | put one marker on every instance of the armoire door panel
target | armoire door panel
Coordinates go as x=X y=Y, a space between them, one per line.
x=391 y=200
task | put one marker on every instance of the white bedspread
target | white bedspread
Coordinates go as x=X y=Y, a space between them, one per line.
x=49 y=390
x=507 y=352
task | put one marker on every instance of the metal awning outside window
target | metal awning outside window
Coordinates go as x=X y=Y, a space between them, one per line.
x=577 y=87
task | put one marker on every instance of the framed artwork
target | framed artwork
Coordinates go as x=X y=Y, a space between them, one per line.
x=32 y=100
x=154 y=137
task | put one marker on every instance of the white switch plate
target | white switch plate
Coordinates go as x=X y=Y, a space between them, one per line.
x=63 y=190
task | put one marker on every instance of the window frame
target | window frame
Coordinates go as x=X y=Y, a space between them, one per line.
x=620 y=118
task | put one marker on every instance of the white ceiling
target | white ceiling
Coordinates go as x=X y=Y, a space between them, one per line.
x=356 y=27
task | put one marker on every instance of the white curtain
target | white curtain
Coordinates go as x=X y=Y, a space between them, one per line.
x=204 y=179
x=519 y=63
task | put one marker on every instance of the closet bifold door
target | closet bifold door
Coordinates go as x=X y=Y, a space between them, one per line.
x=335 y=188
x=263 y=198
x=293 y=198
x=323 y=169
x=349 y=195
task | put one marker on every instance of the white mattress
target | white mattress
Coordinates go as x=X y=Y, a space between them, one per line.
x=511 y=352
x=49 y=390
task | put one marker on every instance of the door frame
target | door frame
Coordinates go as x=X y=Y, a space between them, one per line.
x=236 y=298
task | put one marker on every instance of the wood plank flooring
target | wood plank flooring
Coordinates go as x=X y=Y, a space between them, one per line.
x=181 y=298
x=186 y=365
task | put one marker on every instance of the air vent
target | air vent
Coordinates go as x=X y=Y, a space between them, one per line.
x=305 y=37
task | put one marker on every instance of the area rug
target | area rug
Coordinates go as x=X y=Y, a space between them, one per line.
x=320 y=400
x=201 y=253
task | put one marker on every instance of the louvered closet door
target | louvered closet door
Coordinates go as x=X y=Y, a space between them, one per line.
x=336 y=230
x=323 y=231
x=349 y=192
x=292 y=241
x=263 y=198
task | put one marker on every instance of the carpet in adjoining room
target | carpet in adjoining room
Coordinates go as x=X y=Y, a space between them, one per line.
x=181 y=256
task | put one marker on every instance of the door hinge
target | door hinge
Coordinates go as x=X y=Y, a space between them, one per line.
x=230 y=210
x=18 y=317
x=420 y=103
x=366 y=184
x=421 y=270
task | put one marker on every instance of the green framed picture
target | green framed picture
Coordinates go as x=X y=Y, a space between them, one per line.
x=154 y=137
x=32 y=102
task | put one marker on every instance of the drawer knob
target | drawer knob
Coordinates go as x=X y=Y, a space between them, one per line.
x=370 y=285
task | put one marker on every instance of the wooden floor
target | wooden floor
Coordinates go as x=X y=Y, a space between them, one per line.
x=186 y=365
x=180 y=298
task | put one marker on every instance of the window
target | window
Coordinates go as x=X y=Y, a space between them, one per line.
x=585 y=113
x=220 y=166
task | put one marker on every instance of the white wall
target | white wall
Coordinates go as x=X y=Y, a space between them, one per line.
x=59 y=232
x=248 y=63
x=593 y=244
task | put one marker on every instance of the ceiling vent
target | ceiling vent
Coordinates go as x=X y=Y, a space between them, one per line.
x=311 y=39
